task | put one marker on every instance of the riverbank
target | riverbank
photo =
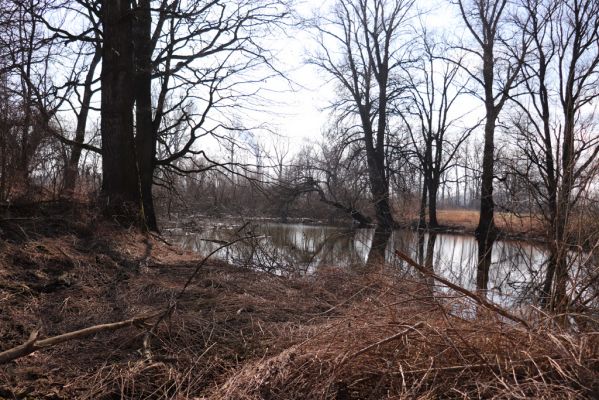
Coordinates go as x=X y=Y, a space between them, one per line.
x=582 y=228
x=235 y=333
x=511 y=226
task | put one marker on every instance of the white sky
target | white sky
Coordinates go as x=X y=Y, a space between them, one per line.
x=300 y=113
x=297 y=110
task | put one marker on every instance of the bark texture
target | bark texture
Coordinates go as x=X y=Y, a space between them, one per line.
x=120 y=185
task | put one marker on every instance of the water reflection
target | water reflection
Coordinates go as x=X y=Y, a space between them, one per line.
x=516 y=266
x=378 y=247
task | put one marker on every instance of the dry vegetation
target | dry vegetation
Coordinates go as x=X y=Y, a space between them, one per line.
x=467 y=220
x=511 y=223
x=582 y=223
x=241 y=334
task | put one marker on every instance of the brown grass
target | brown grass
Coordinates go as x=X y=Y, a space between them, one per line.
x=583 y=226
x=399 y=343
x=511 y=223
x=241 y=334
x=467 y=221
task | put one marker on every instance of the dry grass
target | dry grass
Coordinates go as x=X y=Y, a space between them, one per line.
x=68 y=281
x=582 y=227
x=241 y=334
x=467 y=220
x=508 y=222
x=399 y=343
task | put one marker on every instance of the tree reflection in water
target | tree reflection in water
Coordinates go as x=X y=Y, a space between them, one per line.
x=297 y=248
x=378 y=247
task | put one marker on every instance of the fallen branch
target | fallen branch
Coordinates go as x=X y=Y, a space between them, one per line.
x=33 y=344
x=387 y=340
x=478 y=299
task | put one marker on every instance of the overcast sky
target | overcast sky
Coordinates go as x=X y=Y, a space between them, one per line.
x=301 y=113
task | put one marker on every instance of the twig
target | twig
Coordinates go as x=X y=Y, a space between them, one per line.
x=386 y=340
x=342 y=303
x=33 y=344
x=159 y=237
x=478 y=299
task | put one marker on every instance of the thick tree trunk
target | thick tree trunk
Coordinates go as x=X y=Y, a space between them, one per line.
x=380 y=184
x=120 y=183
x=380 y=239
x=423 y=200
x=382 y=207
x=26 y=146
x=145 y=138
x=375 y=154
x=486 y=231
x=432 y=204
x=379 y=188
x=71 y=169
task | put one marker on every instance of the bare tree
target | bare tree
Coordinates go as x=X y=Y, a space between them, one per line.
x=429 y=113
x=279 y=154
x=556 y=121
x=335 y=175
x=203 y=58
x=30 y=88
x=80 y=62
x=196 y=56
x=367 y=35
x=501 y=51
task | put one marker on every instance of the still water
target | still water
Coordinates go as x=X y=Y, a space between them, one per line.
x=516 y=269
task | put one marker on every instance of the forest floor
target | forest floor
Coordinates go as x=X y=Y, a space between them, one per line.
x=235 y=333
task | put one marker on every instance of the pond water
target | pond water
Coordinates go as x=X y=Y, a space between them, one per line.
x=517 y=267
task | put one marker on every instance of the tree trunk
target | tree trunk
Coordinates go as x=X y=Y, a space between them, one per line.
x=376 y=255
x=423 y=199
x=29 y=43
x=145 y=138
x=554 y=288
x=4 y=164
x=558 y=298
x=458 y=190
x=552 y=183
x=382 y=206
x=486 y=231
x=432 y=203
x=120 y=183
x=379 y=188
